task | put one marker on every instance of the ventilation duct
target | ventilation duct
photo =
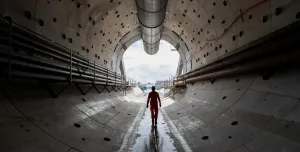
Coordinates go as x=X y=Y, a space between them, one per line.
x=151 y=15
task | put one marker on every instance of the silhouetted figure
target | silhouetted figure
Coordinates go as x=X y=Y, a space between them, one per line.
x=152 y=98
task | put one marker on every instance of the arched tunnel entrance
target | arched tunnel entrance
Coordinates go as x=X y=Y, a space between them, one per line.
x=63 y=86
x=145 y=68
x=167 y=35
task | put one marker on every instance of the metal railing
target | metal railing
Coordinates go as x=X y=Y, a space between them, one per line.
x=263 y=56
x=25 y=55
x=170 y=85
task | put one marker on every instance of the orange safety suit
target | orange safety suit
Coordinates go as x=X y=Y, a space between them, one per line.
x=152 y=98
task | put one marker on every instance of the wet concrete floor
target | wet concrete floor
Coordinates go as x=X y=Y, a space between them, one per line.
x=153 y=139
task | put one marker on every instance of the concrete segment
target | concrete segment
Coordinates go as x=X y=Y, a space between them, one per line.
x=244 y=115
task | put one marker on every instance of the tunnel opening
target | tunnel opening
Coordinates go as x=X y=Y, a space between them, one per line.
x=146 y=68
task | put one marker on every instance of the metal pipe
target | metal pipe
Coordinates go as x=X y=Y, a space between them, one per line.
x=66 y=60
x=31 y=48
x=106 y=75
x=115 y=78
x=37 y=37
x=151 y=15
x=40 y=76
x=250 y=67
x=47 y=64
x=89 y=82
x=228 y=61
x=271 y=44
x=10 y=49
x=53 y=77
x=83 y=75
x=94 y=70
x=48 y=57
x=71 y=66
x=38 y=40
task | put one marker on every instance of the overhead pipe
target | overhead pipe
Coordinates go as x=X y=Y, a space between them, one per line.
x=151 y=15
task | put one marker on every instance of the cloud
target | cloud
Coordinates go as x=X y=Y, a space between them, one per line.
x=150 y=68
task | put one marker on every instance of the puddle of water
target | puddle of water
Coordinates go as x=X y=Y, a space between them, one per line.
x=149 y=139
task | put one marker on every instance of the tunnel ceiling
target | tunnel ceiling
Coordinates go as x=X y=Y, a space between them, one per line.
x=209 y=29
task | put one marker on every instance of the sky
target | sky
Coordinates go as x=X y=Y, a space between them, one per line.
x=146 y=68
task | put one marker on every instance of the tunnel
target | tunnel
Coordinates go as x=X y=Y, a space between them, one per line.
x=64 y=87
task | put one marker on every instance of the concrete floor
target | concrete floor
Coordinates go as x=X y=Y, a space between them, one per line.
x=106 y=122
x=148 y=138
x=235 y=114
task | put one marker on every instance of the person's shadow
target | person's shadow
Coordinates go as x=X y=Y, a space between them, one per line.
x=154 y=139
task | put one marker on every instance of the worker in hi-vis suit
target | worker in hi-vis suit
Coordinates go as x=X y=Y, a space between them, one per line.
x=152 y=98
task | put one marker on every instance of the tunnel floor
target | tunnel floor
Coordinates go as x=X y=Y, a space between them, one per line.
x=153 y=139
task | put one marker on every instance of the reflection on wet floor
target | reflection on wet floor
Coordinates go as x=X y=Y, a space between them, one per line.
x=150 y=139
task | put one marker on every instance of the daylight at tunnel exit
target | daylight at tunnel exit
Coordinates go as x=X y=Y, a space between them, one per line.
x=149 y=76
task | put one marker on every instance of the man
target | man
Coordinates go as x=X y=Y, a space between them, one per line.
x=153 y=96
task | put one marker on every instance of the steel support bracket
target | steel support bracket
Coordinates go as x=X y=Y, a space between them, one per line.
x=119 y=88
x=98 y=89
x=51 y=91
x=114 y=88
x=81 y=90
x=106 y=87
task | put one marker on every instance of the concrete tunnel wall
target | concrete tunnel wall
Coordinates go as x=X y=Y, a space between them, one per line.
x=255 y=115
x=240 y=114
